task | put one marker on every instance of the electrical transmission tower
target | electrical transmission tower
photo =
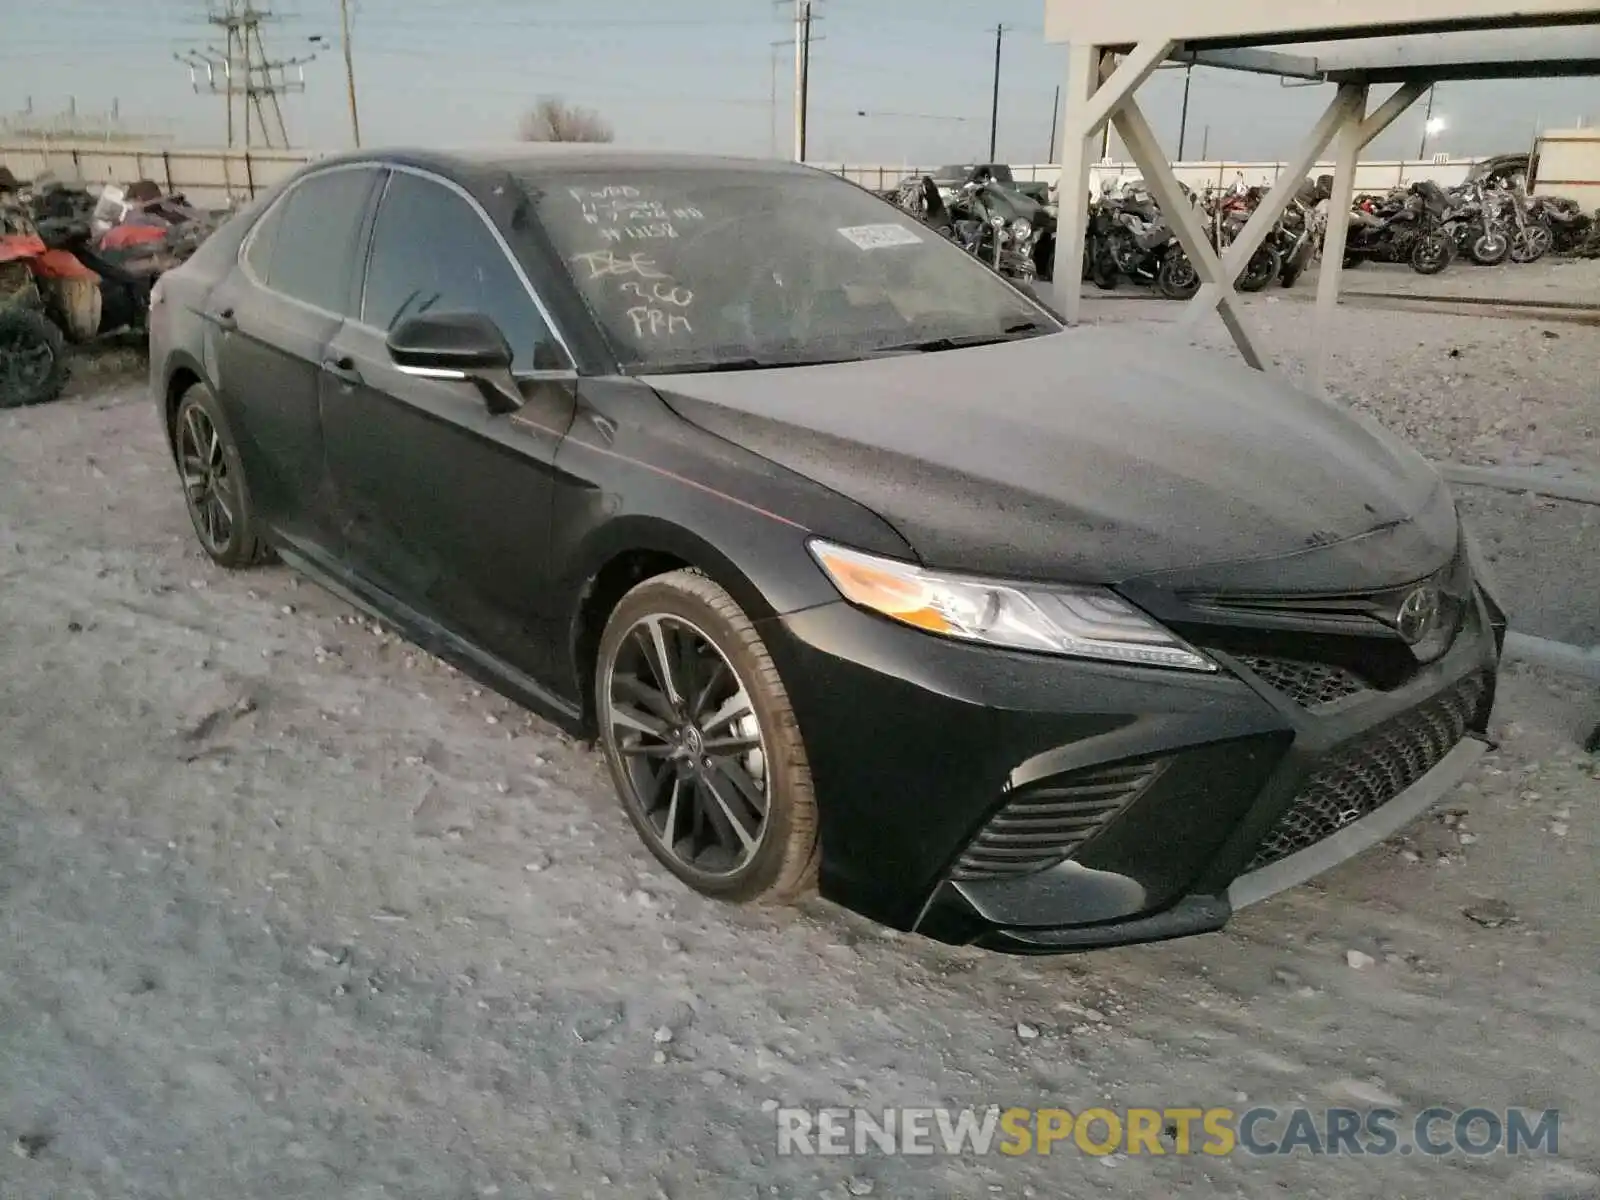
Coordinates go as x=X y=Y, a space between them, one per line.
x=242 y=68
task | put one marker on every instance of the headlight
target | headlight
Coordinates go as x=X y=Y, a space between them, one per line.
x=1021 y=229
x=1083 y=622
x=998 y=222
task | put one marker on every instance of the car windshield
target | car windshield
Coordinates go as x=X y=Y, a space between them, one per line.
x=727 y=268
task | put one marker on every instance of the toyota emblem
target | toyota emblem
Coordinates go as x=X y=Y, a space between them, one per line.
x=1418 y=613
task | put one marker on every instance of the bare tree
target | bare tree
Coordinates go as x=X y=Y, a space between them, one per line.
x=552 y=119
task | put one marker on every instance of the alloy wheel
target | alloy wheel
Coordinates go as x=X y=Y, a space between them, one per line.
x=676 y=714
x=207 y=482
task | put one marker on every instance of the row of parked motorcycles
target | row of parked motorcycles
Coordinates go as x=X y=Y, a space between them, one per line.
x=1424 y=226
x=1429 y=227
x=76 y=267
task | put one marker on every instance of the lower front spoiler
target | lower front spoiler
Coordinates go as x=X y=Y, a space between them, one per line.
x=1206 y=914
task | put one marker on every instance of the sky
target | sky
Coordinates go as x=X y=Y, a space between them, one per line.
x=892 y=81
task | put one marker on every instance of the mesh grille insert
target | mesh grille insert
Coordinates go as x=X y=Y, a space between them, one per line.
x=1043 y=824
x=1308 y=684
x=1362 y=778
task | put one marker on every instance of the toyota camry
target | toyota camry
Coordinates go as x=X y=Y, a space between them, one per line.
x=864 y=573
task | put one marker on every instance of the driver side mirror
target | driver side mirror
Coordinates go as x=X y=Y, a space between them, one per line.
x=458 y=346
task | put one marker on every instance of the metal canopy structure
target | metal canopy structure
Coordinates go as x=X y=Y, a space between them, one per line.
x=1353 y=44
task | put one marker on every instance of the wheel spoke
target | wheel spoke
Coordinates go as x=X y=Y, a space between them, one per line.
x=734 y=773
x=723 y=747
x=633 y=688
x=736 y=705
x=641 y=750
x=719 y=672
x=631 y=718
x=194 y=421
x=669 y=830
x=214 y=450
x=747 y=839
x=660 y=660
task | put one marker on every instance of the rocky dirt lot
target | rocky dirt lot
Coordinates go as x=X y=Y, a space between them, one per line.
x=291 y=909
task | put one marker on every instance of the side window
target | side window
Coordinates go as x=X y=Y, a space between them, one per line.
x=262 y=239
x=314 y=246
x=431 y=250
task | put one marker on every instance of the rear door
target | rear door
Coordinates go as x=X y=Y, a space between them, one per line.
x=270 y=321
x=446 y=505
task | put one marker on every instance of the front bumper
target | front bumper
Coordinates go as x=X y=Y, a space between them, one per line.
x=936 y=763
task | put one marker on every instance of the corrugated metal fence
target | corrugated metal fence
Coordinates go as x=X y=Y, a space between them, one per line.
x=206 y=177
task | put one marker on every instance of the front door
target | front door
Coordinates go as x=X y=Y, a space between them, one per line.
x=444 y=504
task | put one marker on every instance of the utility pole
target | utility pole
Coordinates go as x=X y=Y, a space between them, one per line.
x=350 y=71
x=1183 y=119
x=805 y=76
x=994 y=104
x=802 y=16
x=246 y=71
x=1427 y=120
x=1055 y=116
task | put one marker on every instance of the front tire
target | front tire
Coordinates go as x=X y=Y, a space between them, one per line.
x=1431 y=254
x=702 y=744
x=1177 y=278
x=214 y=487
x=1490 y=249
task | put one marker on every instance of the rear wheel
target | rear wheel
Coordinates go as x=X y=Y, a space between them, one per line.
x=702 y=743
x=33 y=358
x=213 y=482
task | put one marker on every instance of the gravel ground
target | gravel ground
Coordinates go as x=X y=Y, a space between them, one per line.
x=1467 y=388
x=291 y=909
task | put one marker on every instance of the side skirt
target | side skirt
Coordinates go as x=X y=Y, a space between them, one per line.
x=427 y=634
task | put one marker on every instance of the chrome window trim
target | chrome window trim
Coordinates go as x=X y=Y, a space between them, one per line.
x=243 y=260
x=494 y=230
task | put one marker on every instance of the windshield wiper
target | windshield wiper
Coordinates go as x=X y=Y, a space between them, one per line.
x=740 y=364
x=971 y=339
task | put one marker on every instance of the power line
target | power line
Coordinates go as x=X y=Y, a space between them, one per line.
x=247 y=71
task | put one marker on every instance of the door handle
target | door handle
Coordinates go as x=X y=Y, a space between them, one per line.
x=342 y=369
x=223 y=320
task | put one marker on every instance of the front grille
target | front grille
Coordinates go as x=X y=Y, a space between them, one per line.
x=1043 y=824
x=1308 y=684
x=1362 y=778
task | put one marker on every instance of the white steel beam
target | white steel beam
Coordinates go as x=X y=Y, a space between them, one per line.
x=1384 y=115
x=1072 y=192
x=1184 y=218
x=1275 y=201
x=1347 y=151
x=1139 y=64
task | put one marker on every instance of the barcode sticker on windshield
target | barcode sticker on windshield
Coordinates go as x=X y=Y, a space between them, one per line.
x=876 y=237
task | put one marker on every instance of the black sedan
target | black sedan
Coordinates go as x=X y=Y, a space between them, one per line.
x=864 y=572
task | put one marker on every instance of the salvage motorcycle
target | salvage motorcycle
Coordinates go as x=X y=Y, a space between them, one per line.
x=1407 y=228
x=1128 y=236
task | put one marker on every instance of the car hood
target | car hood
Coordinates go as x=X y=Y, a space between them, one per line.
x=1092 y=455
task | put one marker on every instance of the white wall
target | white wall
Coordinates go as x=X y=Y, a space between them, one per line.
x=1569 y=165
x=206 y=177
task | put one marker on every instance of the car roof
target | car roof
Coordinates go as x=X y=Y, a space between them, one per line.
x=478 y=164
